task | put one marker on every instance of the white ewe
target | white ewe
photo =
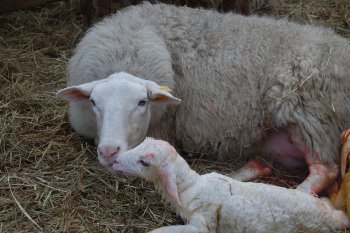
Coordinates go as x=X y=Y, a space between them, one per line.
x=217 y=203
x=250 y=86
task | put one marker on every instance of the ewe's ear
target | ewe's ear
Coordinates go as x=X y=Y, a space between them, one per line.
x=161 y=94
x=77 y=93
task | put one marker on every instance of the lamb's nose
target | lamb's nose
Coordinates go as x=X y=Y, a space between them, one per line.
x=108 y=152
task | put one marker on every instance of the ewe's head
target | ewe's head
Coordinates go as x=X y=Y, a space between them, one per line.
x=152 y=160
x=121 y=104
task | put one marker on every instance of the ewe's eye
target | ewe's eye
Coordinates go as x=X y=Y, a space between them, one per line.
x=142 y=102
x=144 y=163
x=93 y=102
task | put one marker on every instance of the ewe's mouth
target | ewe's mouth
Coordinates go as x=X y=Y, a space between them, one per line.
x=105 y=163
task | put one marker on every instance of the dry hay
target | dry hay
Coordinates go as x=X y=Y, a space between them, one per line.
x=50 y=179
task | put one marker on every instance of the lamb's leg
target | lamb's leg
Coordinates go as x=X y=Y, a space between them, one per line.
x=341 y=219
x=252 y=170
x=282 y=147
x=337 y=216
x=177 y=229
x=320 y=177
x=321 y=174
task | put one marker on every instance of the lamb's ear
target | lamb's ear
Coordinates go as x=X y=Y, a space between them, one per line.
x=147 y=159
x=77 y=93
x=161 y=94
x=168 y=179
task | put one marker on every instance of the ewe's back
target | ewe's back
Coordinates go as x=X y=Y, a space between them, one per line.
x=239 y=75
x=242 y=75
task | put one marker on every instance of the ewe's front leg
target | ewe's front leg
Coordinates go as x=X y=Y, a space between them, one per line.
x=177 y=229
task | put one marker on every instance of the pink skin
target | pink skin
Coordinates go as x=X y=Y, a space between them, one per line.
x=280 y=146
x=253 y=169
x=282 y=150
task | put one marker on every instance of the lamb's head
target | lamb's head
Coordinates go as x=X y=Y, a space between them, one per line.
x=121 y=104
x=154 y=160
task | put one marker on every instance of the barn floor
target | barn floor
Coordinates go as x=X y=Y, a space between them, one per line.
x=50 y=179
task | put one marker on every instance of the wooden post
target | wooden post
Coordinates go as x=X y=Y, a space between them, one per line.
x=13 y=5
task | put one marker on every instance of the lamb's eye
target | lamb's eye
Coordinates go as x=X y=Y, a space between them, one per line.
x=144 y=163
x=93 y=102
x=142 y=102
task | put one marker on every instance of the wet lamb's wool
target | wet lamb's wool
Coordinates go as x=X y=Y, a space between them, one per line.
x=217 y=203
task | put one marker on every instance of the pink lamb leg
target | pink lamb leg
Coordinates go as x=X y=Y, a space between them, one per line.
x=283 y=149
x=252 y=170
x=320 y=177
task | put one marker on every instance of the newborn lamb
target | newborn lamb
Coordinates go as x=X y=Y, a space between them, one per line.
x=250 y=87
x=217 y=203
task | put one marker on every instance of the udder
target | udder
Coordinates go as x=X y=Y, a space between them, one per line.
x=282 y=150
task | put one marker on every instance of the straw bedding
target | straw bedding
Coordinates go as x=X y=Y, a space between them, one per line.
x=50 y=179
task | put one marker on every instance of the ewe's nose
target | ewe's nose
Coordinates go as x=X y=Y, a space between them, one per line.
x=108 y=152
